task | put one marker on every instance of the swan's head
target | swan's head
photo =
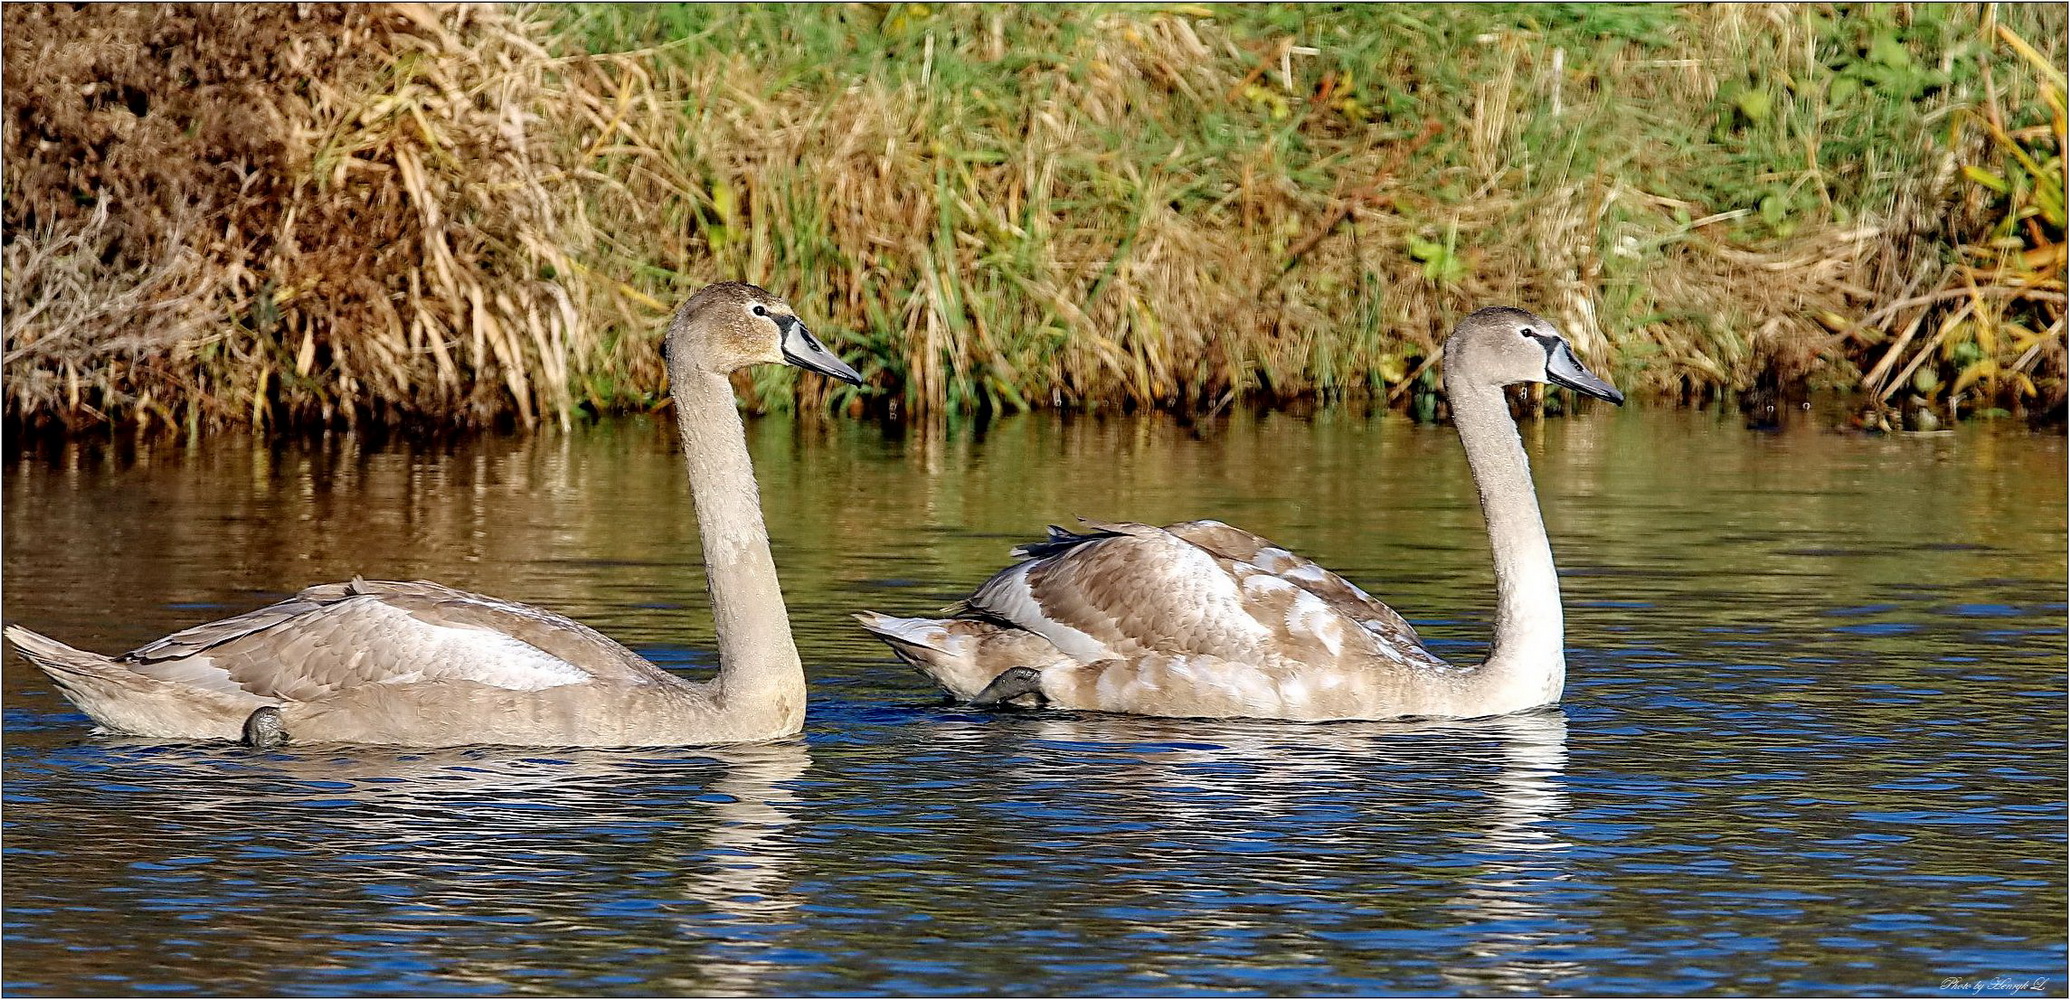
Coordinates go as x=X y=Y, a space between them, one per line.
x=731 y=325
x=1503 y=345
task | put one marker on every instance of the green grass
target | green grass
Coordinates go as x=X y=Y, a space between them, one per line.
x=990 y=208
x=1782 y=126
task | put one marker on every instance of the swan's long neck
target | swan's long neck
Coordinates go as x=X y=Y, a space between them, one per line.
x=758 y=664
x=1527 y=662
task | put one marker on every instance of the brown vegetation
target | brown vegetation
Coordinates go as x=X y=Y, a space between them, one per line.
x=314 y=213
x=285 y=213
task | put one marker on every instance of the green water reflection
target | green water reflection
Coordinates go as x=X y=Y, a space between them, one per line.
x=598 y=523
x=1813 y=739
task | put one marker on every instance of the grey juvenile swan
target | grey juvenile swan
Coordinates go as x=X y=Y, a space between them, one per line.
x=420 y=664
x=1201 y=619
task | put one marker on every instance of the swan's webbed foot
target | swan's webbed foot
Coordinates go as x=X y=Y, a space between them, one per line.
x=264 y=730
x=1011 y=683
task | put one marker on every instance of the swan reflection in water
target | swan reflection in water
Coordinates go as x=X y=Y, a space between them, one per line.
x=1524 y=857
x=496 y=866
x=747 y=874
x=1240 y=819
x=522 y=870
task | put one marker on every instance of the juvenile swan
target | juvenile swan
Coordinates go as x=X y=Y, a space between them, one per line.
x=1205 y=620
x=420 y=664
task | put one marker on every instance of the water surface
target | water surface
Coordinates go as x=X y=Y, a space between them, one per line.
x=1812 y=742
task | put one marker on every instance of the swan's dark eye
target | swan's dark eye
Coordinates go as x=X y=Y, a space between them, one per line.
x=760 y=311
x=1528 y=332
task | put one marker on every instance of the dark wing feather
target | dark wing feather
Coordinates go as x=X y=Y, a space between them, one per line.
x=1059 y=542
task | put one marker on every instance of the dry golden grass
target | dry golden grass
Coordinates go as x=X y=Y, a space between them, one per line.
x=458 y=214
x=288 y=213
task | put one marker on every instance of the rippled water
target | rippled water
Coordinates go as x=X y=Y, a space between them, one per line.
x=1813 y=739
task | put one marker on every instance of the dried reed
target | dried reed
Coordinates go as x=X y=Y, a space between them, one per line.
x=458 y=214
x=288 y=213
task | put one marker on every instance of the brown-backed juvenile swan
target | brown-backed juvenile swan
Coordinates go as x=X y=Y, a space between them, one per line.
x=1201 y=619
x=420 y=664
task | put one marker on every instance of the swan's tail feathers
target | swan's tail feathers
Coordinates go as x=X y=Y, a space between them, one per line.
x=962 y=656
x=122 y=700
x=55 y=658
x=932 y=648
x=86 y=679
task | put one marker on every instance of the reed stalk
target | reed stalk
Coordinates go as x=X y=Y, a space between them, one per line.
x=467 y=214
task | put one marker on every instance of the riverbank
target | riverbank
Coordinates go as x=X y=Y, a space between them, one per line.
x=479 y=215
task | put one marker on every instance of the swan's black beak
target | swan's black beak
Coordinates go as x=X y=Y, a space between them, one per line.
x=1563 y=368
x=803 y=349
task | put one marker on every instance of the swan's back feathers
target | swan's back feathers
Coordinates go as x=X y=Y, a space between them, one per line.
x=595 y=653
x=336 y=637
x=188 y=642
x=1123 y=596
x=1197 y=618
x=1127 y=590
x=1237 y=545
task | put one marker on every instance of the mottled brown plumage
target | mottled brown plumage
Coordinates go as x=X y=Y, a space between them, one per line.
x=1204 y=619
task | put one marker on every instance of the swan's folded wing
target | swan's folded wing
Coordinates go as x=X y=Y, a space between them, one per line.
x=1238 y=545
x=340 y=636
x=594 y=652
x=1119 y=595
x=1134 y=590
